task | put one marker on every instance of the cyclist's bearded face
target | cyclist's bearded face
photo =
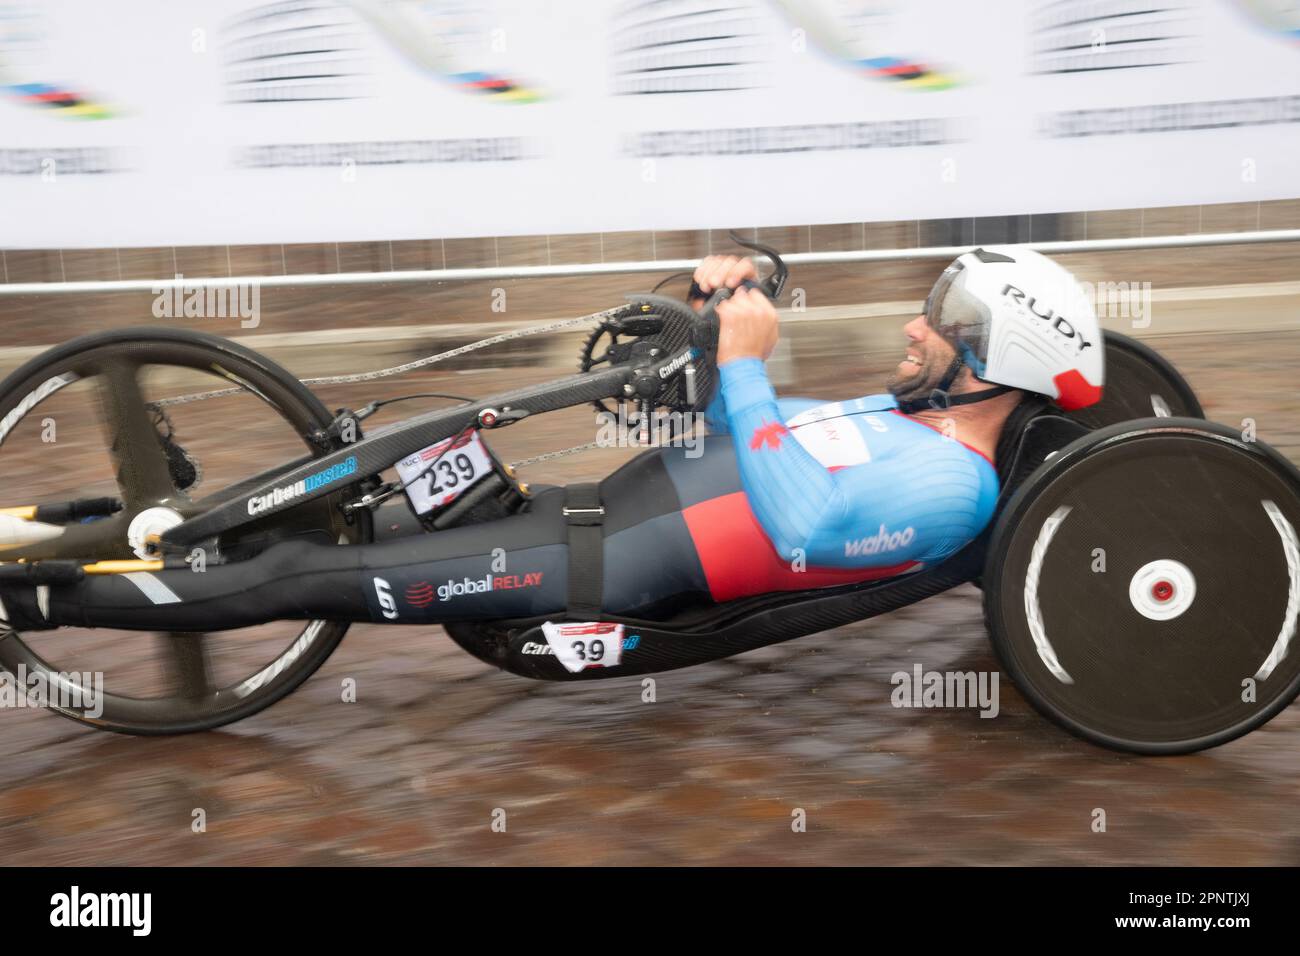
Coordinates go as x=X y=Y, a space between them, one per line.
x=924 y=363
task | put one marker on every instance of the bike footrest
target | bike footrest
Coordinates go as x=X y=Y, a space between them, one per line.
x=42 y=572
x=67 y=512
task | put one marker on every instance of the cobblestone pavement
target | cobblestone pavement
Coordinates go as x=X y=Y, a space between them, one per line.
x=436 y=743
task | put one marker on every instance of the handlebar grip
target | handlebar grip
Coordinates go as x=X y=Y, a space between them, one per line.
x=709 y=310
x=696 y=293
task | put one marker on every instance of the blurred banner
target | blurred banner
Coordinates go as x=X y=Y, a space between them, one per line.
x=239 y=121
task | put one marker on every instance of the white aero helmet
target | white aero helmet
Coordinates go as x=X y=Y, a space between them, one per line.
x=1019 y=320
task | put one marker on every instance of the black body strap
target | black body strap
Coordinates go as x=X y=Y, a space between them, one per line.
x=585 y=516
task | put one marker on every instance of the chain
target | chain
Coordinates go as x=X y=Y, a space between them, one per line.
x=409 y=366
x=551 y=455
x=421 y=363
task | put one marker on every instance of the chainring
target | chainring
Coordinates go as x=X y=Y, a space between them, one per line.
x=662 y=324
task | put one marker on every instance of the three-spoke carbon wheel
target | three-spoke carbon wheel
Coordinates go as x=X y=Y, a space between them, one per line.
x=83 y=421
x=1143 y=585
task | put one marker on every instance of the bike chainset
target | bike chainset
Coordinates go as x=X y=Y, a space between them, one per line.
x=647 y=324
x=665 y=337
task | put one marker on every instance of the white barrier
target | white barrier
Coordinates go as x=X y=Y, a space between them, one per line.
x=246 y=121
x=158 y=286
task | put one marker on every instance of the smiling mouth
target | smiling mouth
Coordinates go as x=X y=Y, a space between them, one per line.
x=911 y=359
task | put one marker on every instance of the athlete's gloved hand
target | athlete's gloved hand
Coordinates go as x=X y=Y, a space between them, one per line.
x=747 y=326
x=719 y=272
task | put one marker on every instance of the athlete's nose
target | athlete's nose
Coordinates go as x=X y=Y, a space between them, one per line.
x=916 y=329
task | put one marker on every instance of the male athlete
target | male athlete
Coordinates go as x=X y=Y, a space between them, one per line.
x=788 y=494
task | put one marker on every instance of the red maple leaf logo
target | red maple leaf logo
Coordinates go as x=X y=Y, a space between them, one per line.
x=768 y=435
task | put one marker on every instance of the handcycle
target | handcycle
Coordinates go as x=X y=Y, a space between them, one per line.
x=1140 y=578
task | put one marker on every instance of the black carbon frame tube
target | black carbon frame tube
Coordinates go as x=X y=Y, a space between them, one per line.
x=372 y=455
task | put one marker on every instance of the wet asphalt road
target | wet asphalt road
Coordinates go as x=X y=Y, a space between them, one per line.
x=437 y=746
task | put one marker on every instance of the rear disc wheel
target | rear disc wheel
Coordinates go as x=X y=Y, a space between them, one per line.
x=1147 y=586
x=1140 y=383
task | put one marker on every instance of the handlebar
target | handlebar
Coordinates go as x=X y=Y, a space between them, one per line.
x=772 y=286
x=668 y=349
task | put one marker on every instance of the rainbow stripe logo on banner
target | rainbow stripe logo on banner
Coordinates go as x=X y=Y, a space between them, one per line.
x=907 y=72
x=24 y=52
x=852 y=31
x=495 y=86
x=57 y=98
x=448 y=38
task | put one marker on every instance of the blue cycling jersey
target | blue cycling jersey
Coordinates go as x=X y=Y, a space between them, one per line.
x=852 y=484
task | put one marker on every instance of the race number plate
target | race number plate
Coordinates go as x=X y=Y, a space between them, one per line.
x=463 y=461
x=579 y=646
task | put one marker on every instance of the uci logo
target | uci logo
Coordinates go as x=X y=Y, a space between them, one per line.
x=1058 y=322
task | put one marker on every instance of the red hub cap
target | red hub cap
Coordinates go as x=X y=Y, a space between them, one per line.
x=1162 y=590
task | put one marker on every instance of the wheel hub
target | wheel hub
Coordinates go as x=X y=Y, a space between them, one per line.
x=145 y=527
x=1162 y=590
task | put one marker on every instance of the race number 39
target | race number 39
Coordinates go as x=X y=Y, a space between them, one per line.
x=457 y=465
x=579 y=646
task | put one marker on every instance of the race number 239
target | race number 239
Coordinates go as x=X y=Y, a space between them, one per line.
x=456 y=465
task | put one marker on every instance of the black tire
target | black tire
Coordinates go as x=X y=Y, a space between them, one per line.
x=292 y=401
x=1139 y=383
x=1197 y=601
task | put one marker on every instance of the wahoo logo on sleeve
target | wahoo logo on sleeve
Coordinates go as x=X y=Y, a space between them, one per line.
x=882 y=542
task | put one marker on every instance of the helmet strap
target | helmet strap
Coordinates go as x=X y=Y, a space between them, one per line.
x=940 y=397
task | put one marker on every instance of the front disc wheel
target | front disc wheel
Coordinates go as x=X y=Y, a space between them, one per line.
x=104 y=393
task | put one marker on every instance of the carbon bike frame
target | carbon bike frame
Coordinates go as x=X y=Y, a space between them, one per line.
x=304 y=480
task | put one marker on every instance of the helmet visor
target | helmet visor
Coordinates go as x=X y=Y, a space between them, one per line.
x=959 y=316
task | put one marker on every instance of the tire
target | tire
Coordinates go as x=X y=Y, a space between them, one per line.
x=1139 y=383
x=1192 y=612
x=291 y=401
